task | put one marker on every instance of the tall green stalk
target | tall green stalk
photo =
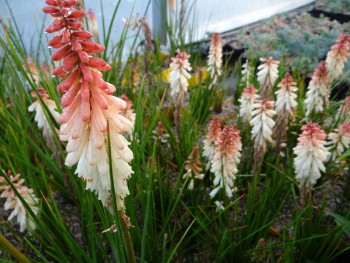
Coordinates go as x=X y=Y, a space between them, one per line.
x=13 y=250
x=127 y=239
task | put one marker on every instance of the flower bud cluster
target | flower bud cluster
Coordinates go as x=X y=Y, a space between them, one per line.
x=193 y=168
x=317 y=95
x=211 y=140
x=89 y=109
x=267 y=76
x=14 y=202
x=40 y=116
x=215 y=58
x=339 y=141
x=226 y=158
x=337 y=56
x=249 y=96
x=310 y=153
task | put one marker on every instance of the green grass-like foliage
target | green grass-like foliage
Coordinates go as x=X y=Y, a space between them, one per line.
x=169 y=222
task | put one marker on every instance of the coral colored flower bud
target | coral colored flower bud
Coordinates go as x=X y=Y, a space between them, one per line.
x=74 y=25
x=69 y=96
x=68 y=82
x=56 y=14
x=62 y=53
x=56 y=42
x=57 y=25
x=84 y=57
x=68 y=3
x=98 y=63
x=49 y=10
x=99 y=98
x=100 y=83
x=110 y=89
x=92 y=48
x=76 y=14
x=83 y=35
x=51 y=2
x=58 y=71
x=65 y=38
x=76 y=46
x=68 y=112
x=70 y=62
x=64 y=11
x=85 y=103
x=87 y=76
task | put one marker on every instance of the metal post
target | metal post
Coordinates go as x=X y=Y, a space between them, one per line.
x=159 y=20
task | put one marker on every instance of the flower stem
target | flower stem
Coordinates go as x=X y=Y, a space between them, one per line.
x=127 y=239
x=12 y=250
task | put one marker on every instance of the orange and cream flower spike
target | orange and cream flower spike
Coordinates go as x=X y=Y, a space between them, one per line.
x=249 y=96
x=343 y=113
x=262 y=127
x=286 y=97
x=225 y=161
x=211 y=140
x=339 y=141
x=310 y=153
x=337 y=56
x=317 y=95
x=179 y=75
x=89 y=109
x=14 y=202
x=40 y=116
x=215 y=58
x=267 y=76
x=193 y=168
x=246 y=73
x=262 y=123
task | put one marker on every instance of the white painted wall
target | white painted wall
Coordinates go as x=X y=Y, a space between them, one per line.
x=30 y=18
x=224 y=15
x=209 y=15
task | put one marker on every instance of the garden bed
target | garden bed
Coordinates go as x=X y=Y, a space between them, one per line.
x=253 y=202
x=341 y=18
x=299 y=39
x=341 y=7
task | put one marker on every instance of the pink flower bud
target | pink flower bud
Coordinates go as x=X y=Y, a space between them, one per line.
x=310 y=155
x=56 y=42
x=83 y=35
x=62 y=53
x=92 y=48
